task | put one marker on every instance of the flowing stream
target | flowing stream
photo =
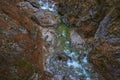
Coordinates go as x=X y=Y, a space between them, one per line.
x=67 y=62
x=45 y=4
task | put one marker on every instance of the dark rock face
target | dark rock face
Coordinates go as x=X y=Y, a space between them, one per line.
x=76 y=10
x=105 y=55
x=99 y=20
x=85 y=15
x=82 y=14
x=106 y=61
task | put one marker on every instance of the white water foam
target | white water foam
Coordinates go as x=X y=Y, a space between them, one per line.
x=47 y=6
x=73 y=63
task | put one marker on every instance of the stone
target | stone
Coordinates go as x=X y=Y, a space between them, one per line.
x=34 y=3
x=46 y=18
x=20 y=55
x=76 y=39
x=72 y=11
x=26 y=5
x=105 y=56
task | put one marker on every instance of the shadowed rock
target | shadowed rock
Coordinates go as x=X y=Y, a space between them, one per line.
x=34 y=3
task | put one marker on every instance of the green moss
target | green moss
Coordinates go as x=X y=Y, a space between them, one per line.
x=62 y=28
x=63 y=32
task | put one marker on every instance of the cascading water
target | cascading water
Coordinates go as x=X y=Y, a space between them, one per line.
x=67 y=61
x=45 y=4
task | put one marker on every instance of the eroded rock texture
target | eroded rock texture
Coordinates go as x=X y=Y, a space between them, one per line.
x=27 y=39
x=98 y=22
x=21 y=52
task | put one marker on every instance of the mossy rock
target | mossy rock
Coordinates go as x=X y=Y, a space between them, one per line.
x=63 y=32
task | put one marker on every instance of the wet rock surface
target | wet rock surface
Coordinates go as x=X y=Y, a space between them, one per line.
x=107 y=44
x=66 y=62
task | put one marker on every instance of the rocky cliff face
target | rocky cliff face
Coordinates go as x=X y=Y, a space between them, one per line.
x=98 y=22
x=21 y=51
x=26 y=36
x=29 y=49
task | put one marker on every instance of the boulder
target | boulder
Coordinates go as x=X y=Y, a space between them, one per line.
x=48 y=35
x=76 y=39
x=34 y=3
x=26 y=5
x=46 y=18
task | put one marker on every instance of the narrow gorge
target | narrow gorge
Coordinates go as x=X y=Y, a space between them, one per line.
x=59 y=40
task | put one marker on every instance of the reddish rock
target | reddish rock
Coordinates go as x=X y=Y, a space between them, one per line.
x=21 y=53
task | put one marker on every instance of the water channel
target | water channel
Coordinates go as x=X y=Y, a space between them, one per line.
x=67 y=62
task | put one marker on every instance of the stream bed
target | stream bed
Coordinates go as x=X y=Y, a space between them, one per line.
x=69 y=61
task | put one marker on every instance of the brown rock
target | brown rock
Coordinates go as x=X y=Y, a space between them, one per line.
x=27 y=5
x=20 y=44
x=34 y=3
x=106 y=54
x=46 y=18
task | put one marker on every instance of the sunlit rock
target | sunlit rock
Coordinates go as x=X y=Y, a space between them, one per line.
x=76 y=39
x=48 y=35
x=46 y=18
